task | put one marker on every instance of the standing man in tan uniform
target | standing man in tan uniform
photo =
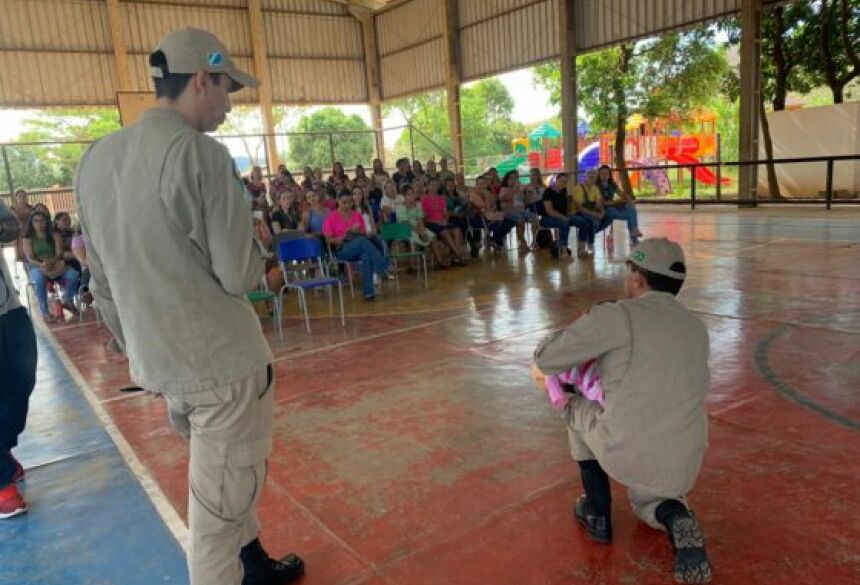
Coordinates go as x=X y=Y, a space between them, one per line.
x=651 y=433
x=173 y=251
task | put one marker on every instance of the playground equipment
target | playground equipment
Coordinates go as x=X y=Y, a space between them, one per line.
x=649 y=143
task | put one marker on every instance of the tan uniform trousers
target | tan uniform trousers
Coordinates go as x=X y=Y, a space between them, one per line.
x=230 y=430
x=644 y=502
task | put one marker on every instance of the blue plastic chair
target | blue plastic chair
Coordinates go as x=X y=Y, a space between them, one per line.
x=307 y=254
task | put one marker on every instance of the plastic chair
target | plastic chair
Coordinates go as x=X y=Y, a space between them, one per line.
x=391 y=232
x=348 y=267
x=309 y=252
x=263 y=295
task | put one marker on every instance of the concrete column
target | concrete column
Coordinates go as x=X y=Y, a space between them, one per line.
x=452 y=44
x=371 y=69
x=750 y=72
x=261 y=69
x=120 y=49
x=569 y=102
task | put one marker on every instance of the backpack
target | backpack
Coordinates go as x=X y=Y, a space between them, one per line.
x=544 y=239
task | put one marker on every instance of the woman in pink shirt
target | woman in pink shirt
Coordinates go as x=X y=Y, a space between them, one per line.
x=435 y=206
x=345 y=231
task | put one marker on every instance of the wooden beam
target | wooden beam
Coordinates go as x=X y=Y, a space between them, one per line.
x=452 y=52
x=371 y=70
x=750 y=70
x=261 y=69
x=120 y=49
x=569 y=101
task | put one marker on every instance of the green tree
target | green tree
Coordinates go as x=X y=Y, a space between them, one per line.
x=485 y=109
x=837 y=39
x=351 y=136
x=677 y=72
x=246 y=124
x=46 y=165
x=787 y=55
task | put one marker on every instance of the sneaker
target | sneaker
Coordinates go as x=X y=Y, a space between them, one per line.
x=691 y=559
x=261 y=569
x=18 y=475
x=11 y=502
x=599 y=528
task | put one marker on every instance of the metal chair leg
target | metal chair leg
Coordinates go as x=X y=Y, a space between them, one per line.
x=340 y=296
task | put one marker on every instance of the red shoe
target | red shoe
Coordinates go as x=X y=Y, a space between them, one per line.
x=11 y=502
x=19 y=470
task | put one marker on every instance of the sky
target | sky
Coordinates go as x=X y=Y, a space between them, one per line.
x=531 y=105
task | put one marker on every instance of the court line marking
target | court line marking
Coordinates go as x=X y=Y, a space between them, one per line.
x=764 y=368
x=358 y=340
x=159 y=499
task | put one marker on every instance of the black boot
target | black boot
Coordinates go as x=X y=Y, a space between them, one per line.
x=261 y=569
x=593 y=510
x=688 y=542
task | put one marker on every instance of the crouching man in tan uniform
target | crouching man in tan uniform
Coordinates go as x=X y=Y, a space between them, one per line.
x=651 y=433
x=173 y=253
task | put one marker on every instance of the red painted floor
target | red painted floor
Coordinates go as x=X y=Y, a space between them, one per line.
x=411 y=447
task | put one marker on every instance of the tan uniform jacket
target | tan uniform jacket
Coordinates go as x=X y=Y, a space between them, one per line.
x=172 y=253
x=652 y=356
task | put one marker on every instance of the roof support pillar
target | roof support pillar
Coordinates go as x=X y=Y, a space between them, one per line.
x=264 y=91
x=569 y=101
x=750 y=72
x=452 y=51
x=371 y=69
x=120 y=50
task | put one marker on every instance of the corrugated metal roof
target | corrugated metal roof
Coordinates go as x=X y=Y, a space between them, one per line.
x=67 y=79
x=408 y=25
x=606 y=22
x=520 y=34
x=54 y=25
x=472 y=11
x=145 y=24
x=299 y=35
x=309 y=6
x=412 y=70
x=59 y=52
x=312 y=81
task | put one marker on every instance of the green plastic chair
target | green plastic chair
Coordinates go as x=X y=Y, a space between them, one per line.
x=262 y=294
x=391 y=232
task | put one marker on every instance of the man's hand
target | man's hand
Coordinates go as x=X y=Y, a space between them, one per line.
x=538 y=377
x=263 y=233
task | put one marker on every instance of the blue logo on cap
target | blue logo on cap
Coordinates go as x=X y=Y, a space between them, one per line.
x=215 y=59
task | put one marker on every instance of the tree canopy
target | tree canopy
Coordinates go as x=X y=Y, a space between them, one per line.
x=46 y=165
x=485 y=108
x=350 y=148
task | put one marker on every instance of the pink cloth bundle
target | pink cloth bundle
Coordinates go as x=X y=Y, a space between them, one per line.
x=583 y=377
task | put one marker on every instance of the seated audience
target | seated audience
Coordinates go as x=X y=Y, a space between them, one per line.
x=63 y=227
x=444 y=173
x=513 y=204
x=409 y=211
x=404 y=174
x=417 y=169
x=286 y=216
x=456 y=201
x=485 y=215
x=556 y=210
x=431 y=173
x=617 y=203
x=361 y=204
x=257 y=189
x=308 y=180
x=314 y=218
x=435 y=207
x=43 y=249
x=345 y=231
x=22 y=211
x=338 y=178
x=588 y=204
x=389 y=201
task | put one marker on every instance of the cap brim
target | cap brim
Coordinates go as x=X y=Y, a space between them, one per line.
x=241 y=80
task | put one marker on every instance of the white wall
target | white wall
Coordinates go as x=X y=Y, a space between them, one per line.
x=825 y=130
